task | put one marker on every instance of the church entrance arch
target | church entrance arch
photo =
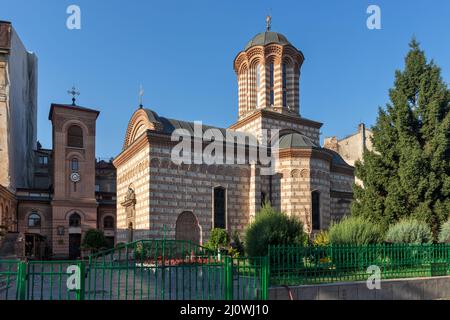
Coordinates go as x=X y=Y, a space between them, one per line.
x=188 y=228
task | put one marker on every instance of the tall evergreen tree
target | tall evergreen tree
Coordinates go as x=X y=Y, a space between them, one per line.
x=408 y=172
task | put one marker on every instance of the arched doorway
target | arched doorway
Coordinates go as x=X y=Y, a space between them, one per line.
x=74 y=236
x=187 y=228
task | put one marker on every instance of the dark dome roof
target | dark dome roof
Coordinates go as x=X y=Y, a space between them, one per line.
x=296 y=140
x=337 y=159
x=264 y=38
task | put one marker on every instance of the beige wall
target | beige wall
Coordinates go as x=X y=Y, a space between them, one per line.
x=351 y=148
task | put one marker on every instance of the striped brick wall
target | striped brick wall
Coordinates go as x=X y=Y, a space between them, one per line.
x=178 y=188
x=134 y=173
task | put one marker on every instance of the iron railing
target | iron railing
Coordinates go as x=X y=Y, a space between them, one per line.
x=298 y=265
x=142 y=270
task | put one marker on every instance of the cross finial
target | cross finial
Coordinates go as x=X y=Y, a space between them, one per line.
x=73 y=92
x=268 y=22
x=141 y=94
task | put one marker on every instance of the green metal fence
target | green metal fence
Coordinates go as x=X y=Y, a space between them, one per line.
x=142 y=270
x=297 y=265
x=9 y=270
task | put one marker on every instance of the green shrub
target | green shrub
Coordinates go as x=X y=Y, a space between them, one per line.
x=409 y=231
x=355 y=230
x=94 y=240
x=272 y=228
x=219 y=239
x=321 y=239
x=444 y=233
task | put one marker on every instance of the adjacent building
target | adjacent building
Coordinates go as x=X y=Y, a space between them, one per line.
x=18 y=117
x=48 y=197
x=351 y=148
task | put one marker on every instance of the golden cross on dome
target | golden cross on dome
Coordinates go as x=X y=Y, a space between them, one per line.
x=268 y=22
x=73 y=92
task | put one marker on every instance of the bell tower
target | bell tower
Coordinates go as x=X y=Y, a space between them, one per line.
x=74 y=205
x=268 y=72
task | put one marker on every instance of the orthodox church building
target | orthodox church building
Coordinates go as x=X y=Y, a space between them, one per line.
x=158 y=197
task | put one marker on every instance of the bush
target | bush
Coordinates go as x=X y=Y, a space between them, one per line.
x=409 y=231
x=272 y=228
x=355 y=230
x=94 y=240
x=237 y=244
x=444 y=234
x=321 y=239
x=219 y=239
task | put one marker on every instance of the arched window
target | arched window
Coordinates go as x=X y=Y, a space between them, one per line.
x=34 y=220
x=75 y=220
x=219 y=208
x=315 y=199
x=74 y=164
x=271 y=84
x=258 y=84
x=284 y=78
x=75 y=137
x=108 y=222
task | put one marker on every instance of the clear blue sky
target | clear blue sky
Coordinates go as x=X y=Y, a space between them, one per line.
x=182 y=53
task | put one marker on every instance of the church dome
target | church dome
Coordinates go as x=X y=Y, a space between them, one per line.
x=268 y=37
x=296 y=140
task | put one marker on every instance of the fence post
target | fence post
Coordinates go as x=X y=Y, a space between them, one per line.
x=21 y=280
x=265 y=276
x=81 y=291
x=229 y=286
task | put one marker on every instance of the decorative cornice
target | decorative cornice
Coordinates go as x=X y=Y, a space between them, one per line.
x=279 y=51
x=277 y=116
x=131 y=150
x=304 y=153
x=6 y=193
x=88 y=203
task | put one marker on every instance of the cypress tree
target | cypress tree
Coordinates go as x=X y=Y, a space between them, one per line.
x=408 y=172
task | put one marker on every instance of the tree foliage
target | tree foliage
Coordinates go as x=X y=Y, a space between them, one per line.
x=94 y=240
x=408 y=172
x=219 y=239
x=444 y=234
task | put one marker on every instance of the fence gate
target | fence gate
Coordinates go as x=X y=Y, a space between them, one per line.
x=142 y=270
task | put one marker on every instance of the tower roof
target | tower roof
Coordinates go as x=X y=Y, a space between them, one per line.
x=268 y=37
